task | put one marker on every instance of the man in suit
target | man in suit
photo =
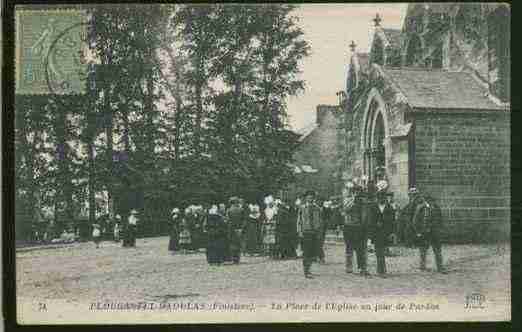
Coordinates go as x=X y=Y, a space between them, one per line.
x=310 y=226
x=382 y=216
x=406 y=229
x=354 y=230
x=427 y=221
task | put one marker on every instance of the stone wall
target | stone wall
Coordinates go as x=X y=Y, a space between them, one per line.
x=463 y=161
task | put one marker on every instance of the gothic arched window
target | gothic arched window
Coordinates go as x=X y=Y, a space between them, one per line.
x=499 y=52
x=378 y=141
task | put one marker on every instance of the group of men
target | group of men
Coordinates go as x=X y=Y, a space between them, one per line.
x=367 y=214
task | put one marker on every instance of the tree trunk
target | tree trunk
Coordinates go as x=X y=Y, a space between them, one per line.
x=64 y=189
x=109 y=128
x=91 y=199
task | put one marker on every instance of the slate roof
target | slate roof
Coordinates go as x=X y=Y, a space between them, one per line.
x=437 y=89
x=394 y=37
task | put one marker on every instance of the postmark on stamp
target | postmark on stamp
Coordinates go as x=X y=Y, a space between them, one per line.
x=49 y=45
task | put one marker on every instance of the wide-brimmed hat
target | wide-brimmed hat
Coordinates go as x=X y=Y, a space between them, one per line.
x=381 y=185
x=310 y=193
x=413 y=191
x=133 y=211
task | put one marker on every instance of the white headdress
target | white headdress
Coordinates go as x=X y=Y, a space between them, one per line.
x=213 y=210
x=269 y=199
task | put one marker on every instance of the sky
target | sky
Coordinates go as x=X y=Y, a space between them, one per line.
x=329 y=28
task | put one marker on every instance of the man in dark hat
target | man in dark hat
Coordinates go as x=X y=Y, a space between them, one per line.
x=354 y=230
x=381 y=225
x=310 y=226
x=427 y=221
x=405 y=225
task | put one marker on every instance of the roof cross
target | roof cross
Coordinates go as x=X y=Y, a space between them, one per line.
x=377 y=20
x=352 y=46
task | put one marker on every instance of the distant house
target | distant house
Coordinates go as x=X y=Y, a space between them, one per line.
x=430 y=105
x=318 y=154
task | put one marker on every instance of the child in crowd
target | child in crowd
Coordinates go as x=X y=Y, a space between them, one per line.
x=96 y=234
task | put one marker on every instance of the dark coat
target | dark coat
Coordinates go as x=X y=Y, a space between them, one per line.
x=427 y=218
x=216 y=238
x=236 y=217
x=174 y=233
x=381 y=223
x=310 y=218
x=356 y=213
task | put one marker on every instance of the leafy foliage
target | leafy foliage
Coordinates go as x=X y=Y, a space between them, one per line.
x=187 y=105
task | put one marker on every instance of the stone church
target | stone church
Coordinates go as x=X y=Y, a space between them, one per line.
x=429 y=105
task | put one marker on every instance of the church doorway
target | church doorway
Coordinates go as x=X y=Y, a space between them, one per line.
x=375 y=142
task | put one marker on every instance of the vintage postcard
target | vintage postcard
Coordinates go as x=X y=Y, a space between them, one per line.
x=223 y=163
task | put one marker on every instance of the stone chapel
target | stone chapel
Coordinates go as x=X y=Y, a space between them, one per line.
x=430 y=105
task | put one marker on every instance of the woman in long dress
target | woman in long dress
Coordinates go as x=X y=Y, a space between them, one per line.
x=174 y=230
x=269 y=227
x=185 y=238
x=216 y=237
x=252 y=229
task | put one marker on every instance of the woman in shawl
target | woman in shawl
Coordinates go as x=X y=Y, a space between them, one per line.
x=216 y=236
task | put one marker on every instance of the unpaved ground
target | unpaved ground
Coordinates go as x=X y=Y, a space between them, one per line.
x=80 y=275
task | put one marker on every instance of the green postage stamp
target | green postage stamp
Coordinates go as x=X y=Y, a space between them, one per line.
x=49 y=44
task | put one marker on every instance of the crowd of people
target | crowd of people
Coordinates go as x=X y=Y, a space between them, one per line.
x=227 y=232
x=365 y=213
